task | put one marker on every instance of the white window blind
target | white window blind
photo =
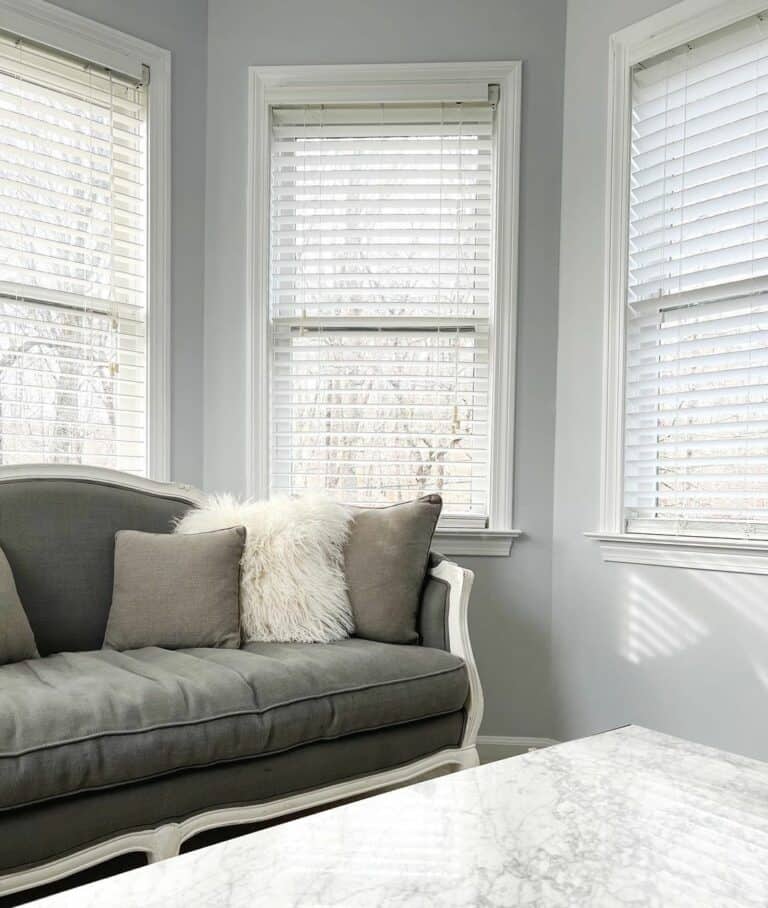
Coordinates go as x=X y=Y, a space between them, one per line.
x=73 y=181
x=696 y=460
x=380 y=299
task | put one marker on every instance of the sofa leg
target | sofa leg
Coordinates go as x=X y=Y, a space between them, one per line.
x=466 y=758
x=469 y=757
x=166 y=842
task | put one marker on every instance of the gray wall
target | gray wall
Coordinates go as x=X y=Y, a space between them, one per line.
x=511 y=606
x=567 y=645
x=684 y=652
x=179 y=26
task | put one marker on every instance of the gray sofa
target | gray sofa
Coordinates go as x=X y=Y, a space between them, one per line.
x=104 y=753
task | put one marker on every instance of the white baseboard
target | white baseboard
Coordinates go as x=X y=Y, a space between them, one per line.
x=499 y=747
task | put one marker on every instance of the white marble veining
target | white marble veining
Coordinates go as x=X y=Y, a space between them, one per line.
x=630 y=817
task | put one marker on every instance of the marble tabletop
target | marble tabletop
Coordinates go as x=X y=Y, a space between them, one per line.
x=629 y=817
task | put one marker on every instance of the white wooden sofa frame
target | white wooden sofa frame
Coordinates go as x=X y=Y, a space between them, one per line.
x=166 y=840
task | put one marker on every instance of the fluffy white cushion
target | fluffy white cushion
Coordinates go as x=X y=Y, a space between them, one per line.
x=292 y=586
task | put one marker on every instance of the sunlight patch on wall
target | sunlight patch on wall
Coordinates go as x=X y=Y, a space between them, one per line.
x=656 y=627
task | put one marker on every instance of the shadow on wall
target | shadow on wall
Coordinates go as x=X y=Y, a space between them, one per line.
x=509 y=628
x=731 y=613
x=748 y=597
x=681 y=651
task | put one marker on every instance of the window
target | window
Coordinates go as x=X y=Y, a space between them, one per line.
x=75 y=238
x=696 y=413
x=382 y=279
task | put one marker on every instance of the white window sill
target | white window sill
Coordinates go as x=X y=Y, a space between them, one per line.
x=694 y=552
x=475 y=542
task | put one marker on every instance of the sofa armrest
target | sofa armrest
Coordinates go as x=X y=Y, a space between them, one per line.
x=443 y=624
x=433 y=609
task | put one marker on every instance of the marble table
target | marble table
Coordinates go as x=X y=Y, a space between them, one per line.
x=630 y=817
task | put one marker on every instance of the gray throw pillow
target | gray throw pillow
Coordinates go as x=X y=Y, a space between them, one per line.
x=17 y=642
x=176 y=591
x=385 y=561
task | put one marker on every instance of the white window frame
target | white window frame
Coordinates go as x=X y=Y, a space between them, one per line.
x=271 y=85
x=668 y=29
x=73 y=34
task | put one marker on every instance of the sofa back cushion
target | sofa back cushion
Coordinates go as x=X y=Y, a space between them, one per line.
x=59 y=538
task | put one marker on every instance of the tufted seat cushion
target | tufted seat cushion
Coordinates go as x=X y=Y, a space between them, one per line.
x=78 y=722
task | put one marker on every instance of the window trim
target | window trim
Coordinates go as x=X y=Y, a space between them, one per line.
x=670 y=28
x=71 y=33
x=270 y=85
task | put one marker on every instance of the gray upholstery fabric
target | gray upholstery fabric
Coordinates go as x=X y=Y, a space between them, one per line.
x=80 y=721
x=385 y=561
x=34 y=835
x=16 y=639
x=59 y=538
x=176 y=591
x=433 y=614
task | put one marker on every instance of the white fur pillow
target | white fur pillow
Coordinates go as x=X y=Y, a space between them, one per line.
x=292 y=586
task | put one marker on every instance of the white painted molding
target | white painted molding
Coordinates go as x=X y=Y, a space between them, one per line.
x=698 y=553
x=503 y=332
x=475 y=542
x=459 y=582
x=654 y=35
x=382 y=82
x=59 y=28
x=501 y=747
x=257 y=286
x=615 y=279
x=681 y=23
x=73 y=34
x=413 y=81
x=103 y=476
x=165 y=841
x=159 y=291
